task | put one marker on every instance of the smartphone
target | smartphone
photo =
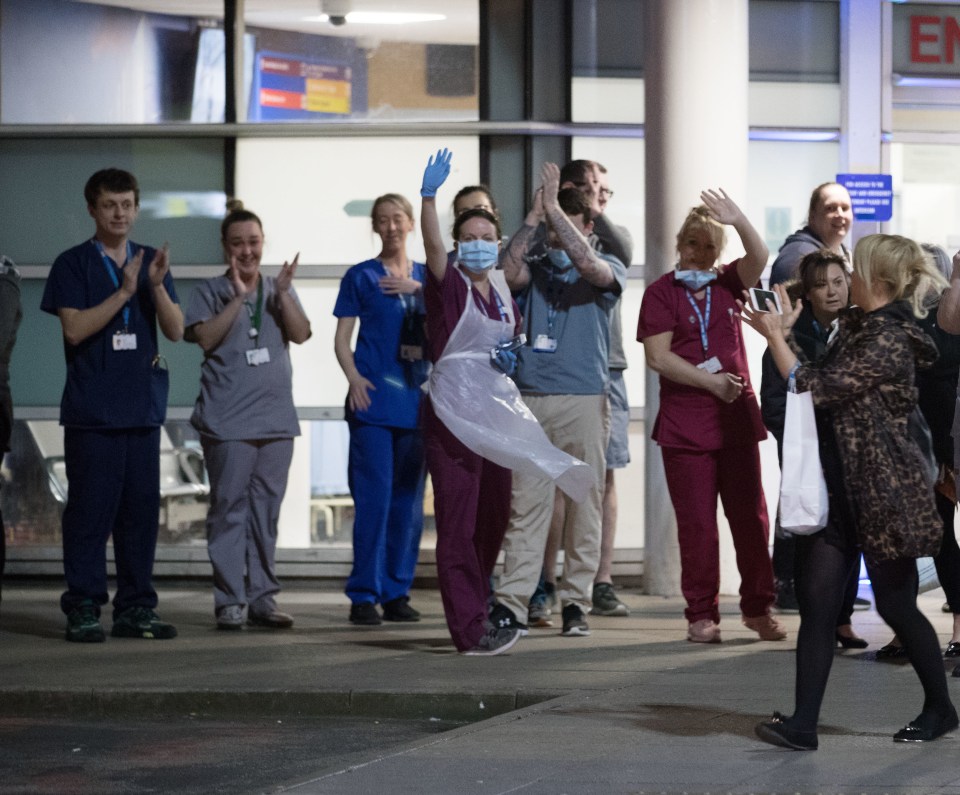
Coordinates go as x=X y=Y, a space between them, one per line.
x=760 y=298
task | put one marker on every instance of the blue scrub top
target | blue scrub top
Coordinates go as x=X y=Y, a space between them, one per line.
x=105 y=388
x=396 y=400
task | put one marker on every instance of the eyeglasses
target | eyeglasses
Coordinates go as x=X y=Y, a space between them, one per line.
x=603 y=191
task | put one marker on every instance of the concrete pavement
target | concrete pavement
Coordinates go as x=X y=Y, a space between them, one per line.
x=634 y=708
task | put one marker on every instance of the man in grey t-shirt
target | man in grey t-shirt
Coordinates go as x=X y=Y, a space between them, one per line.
x=567 y=291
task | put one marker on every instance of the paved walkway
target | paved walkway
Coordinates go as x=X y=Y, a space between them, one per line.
x=634 y=708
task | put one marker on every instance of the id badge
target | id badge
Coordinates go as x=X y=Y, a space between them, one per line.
x=544 y=343
x=711 y=365
x=123 y=341
x=258 y=356
x=411 y=353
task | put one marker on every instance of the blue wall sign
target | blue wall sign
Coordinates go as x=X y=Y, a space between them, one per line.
x=871 y=195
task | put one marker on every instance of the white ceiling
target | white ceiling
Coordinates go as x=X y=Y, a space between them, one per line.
x=459 y=27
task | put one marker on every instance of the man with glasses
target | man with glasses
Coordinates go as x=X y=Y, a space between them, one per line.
x=110 y=295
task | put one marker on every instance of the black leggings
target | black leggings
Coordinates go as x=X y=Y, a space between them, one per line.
x=947 y=560
x=823 y=573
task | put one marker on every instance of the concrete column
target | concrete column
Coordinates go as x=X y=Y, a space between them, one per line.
x=865 y=91
x=696 y=79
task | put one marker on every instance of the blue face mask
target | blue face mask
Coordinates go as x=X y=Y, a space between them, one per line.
x=559 y=258
x=478 y=255
x=695 y=280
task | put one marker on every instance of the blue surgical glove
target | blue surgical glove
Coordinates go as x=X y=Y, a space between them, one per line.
x=505 y=361
x=436 y=172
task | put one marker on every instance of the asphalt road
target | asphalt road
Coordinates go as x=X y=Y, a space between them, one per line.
x=187 y=755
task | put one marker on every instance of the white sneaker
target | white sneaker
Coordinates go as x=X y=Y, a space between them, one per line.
x=230 y=617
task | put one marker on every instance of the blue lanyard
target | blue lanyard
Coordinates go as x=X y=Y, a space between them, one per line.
x=500 y=307
x=704 y=322
x=112 y=268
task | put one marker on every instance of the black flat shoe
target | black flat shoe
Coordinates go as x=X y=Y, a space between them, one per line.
x=953 y=649
x=926 y=727
x=855 y=642
x=891 y=652
x=776 y=732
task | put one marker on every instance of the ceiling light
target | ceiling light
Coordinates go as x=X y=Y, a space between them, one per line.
x=381 y=18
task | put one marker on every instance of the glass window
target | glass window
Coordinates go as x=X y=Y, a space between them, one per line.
x=315 y=195
x=44 y=212
x=125 y=66
x=926 y=181
x=795 y=40
x=372 y=61
x=781 y=175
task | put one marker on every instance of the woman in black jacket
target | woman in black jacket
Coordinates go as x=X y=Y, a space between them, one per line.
x=824 y=285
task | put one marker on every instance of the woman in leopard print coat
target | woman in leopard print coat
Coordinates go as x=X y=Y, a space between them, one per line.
x=866 y=383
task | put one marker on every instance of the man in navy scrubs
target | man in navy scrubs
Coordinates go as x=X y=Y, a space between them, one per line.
x=110 y=294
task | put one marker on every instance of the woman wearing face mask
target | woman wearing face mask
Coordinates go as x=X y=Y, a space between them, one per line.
x=709 y=424
x=476 y=426
x=245 y=322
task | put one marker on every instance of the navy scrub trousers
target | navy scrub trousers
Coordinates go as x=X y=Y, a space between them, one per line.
x=114 y=478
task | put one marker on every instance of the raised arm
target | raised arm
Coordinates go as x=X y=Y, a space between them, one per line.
x=725 y=210
x=591 y=267
x=169 y=314
x=948 y=314
x=434 y=175
x=774 y=328
x=210 y=333
x=296 y=326
x=515 y=268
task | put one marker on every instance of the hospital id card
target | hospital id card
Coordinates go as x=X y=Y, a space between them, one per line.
x=711 y=365
x=544 y=343
x=124 y=341
x=258 y=356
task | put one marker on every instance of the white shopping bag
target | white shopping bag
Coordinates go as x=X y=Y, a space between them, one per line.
x=804 y=503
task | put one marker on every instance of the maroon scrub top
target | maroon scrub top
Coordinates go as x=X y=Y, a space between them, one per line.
x=692 y=418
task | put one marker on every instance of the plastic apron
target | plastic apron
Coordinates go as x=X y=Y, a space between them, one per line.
x=483 y=408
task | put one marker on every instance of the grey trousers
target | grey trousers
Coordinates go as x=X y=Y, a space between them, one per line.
x=247 y=483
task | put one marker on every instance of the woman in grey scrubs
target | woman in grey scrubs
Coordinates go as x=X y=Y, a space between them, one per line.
x=244 y=322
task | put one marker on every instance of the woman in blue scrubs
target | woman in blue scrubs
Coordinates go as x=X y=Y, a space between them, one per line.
x=385 y=370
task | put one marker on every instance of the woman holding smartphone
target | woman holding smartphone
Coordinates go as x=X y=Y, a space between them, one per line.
x=866 y=381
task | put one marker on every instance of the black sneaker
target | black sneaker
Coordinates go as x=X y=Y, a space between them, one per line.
x=786 y=601
x=400 y=610
x=573 y=623
x=502 y=617
x=83 y=624
x=364 y=614
x=141 y=622
x=605 y=602
x=496 y=641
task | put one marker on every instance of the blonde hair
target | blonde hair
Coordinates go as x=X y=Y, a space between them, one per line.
x=900 y=265
x=401 y=201
x=700 y=220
